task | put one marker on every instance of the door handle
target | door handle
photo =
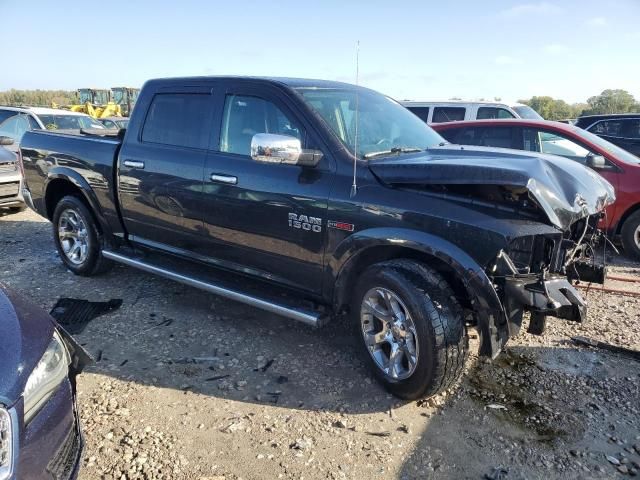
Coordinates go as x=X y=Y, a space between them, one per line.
x=133 y=164
x=226 y=179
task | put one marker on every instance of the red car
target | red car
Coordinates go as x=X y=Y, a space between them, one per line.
x=619 y=167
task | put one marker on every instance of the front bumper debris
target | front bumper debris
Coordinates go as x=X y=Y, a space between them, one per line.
x=554 y=297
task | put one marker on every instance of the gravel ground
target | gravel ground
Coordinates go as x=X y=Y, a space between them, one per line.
x=189 y=385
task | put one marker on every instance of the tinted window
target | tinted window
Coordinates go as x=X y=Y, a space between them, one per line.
x=14 y=127
x=448 y=114
x=4 y=114
x=421 y=112
x=494 y=137
x=612 y=128
x=631 y=129
x=485 y=113
x=244 y=116
x=33 y=123
x=178 y=119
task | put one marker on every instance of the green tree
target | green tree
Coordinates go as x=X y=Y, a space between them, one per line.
x=611 y=101
x=550 y=108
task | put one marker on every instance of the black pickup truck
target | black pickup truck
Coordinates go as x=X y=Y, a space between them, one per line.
x=315 y=200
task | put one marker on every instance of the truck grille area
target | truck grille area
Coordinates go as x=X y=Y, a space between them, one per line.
x=532 y=253
x=62 y=465
x=9 y=189
x=8 y=167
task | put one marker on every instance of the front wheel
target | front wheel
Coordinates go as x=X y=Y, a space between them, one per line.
x=630 y=235
x=77 y=238
x=411 y=328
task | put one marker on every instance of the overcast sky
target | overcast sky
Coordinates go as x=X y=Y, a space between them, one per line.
x=569 y=49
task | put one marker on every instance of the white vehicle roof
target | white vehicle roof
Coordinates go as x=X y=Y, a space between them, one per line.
x=43 y=111
x=418 y=103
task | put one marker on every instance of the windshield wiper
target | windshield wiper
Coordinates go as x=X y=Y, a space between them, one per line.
x=397 y=150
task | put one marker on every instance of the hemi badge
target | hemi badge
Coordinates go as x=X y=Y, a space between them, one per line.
x=348 y=227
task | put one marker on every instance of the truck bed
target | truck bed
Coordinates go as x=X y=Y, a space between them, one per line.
x=88 y=159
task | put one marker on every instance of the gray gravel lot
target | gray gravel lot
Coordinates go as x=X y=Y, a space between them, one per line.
x=189 y=385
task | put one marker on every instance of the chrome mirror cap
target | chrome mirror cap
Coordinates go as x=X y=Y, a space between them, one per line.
x=272 y=148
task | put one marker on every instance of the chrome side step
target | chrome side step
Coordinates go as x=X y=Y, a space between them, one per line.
x=309 y=317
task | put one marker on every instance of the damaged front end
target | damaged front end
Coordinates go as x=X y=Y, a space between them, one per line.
x=536 y=272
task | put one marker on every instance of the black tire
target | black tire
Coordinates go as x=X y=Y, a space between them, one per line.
x=630 y=234
x=442 y=341
x=93 y=262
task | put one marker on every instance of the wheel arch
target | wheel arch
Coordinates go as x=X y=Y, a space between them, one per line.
x=471 y=285
x=628 y=212
x=65 y=182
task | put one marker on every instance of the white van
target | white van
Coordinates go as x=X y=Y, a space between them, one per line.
x=456 y=110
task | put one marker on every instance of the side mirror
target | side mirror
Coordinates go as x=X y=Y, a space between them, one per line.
x=6 y=140
x=272 y=148
x=596 y=161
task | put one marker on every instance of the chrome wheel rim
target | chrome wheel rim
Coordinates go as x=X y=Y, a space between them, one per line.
x=636 y=237
x=389 y=333
x=73 y=236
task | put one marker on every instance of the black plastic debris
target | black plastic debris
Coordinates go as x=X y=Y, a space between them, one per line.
x=74 y=314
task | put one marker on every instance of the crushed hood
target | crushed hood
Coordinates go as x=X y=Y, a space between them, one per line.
x=564 y=189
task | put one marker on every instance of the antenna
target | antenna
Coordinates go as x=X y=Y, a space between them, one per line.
x=354 y=186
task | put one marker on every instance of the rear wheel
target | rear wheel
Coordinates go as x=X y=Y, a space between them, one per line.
x=411 y=328
x=77 y=238
x=630 y=235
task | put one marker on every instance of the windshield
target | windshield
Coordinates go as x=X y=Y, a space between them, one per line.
x=609 y=147
x=525 y=111
x=384 y=126
x=69 y=122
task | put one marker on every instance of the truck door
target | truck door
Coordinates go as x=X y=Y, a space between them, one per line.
x=160 y=170
x=265 y=219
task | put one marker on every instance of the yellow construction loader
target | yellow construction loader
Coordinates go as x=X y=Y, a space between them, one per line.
x=97 y=103
x=125 y=97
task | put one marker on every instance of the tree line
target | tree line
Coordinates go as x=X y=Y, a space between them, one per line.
x=38 y=98
x=609 y=101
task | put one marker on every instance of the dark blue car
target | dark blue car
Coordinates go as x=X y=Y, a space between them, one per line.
x=40 y=434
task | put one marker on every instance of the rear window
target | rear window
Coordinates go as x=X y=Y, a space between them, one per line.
x=178 y=119
x=448 y=114
x=421 y=112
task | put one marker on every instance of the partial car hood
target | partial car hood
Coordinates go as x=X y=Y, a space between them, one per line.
x=25 y=333
x=564 y=189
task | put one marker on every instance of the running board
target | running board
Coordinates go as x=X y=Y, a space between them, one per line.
x=307 y=316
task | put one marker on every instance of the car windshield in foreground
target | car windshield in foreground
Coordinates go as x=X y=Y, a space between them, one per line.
x=525 y=111
x=384 y=126
x=614 y=150
x=69 y=122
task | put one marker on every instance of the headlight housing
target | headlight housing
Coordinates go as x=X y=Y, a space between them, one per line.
x=50 y=371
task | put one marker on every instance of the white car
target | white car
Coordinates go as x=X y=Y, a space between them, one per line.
x=14 y=121
x=457 y=110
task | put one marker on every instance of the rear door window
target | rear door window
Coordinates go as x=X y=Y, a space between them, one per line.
x=486 y=113
x=178 y=119
x=448 y=114
x=611 y=128
x=421 y=112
